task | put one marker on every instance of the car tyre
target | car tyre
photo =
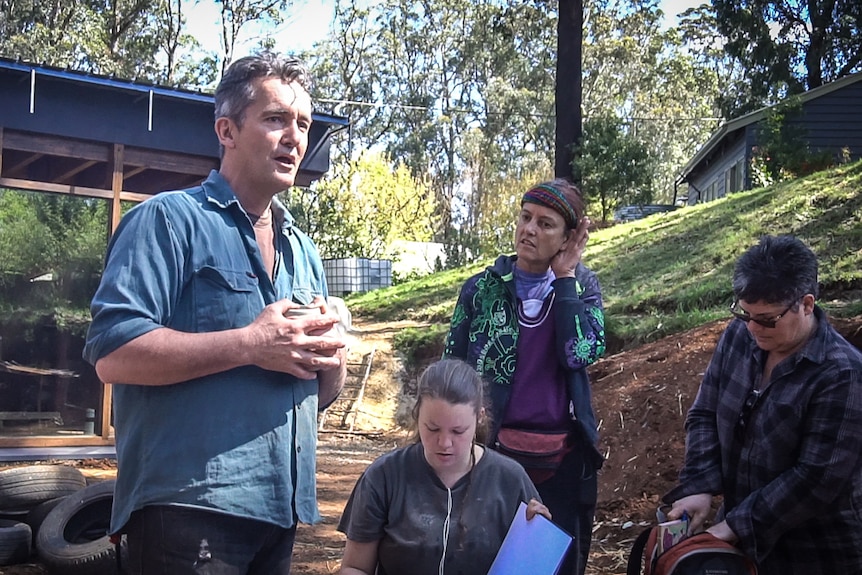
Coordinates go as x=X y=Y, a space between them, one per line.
x=15 y=542
x=23 y=488
x=73 y=538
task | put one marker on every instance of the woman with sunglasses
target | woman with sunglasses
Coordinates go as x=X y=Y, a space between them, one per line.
x=776 y=427
x=531 y=324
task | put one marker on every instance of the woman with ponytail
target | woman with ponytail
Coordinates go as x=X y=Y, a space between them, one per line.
x=444 y=503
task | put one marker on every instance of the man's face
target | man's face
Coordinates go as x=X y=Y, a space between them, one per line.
x=273 y=137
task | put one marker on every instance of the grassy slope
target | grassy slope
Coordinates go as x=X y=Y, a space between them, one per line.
x=670 y=272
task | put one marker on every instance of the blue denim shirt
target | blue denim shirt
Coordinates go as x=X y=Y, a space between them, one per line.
x=240 y=442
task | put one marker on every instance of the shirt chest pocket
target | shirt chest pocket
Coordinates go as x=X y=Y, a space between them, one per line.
x=224 y=299
x=779 y=429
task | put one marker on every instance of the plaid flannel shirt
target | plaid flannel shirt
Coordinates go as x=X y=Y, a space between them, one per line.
x=792 y=477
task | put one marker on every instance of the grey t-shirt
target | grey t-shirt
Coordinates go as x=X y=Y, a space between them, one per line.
x=401 y=502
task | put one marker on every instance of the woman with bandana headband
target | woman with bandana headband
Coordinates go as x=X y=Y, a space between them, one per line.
x=531 y=324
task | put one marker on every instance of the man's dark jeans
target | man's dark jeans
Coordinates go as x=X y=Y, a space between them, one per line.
x=173 y=540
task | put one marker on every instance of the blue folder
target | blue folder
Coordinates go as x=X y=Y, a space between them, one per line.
x=537 y=546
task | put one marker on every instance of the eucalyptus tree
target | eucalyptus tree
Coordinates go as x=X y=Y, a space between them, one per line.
x=348 y=69
x=614 y=166
x=134 y=39
x=789 y=45
x=416 y=77
x=704 y=43
x=645 y=78
x=462 y=92
x=237 y=14
x=361 y=208
x=172 y=42
x=55 y=32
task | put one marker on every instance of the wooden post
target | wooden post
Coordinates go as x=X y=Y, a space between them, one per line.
x=116 y=187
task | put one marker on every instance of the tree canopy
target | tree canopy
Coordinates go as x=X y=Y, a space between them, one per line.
x=789 y=46
x=453 y=101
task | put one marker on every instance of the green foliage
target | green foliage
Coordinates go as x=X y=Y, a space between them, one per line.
x=235 y=14
x=491 y=202
x=418 y=344
x=406 y=277
x=651 y=81
x=783 y=153
x=672 y=271
x=463 y=93
x=430 y=298
x=53 y=247
x=360 y=211
x=613 y=166
x=788 y=47
x=134 y=39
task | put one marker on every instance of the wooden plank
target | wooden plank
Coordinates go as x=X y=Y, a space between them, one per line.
x=55 y=441
x=13 y=167
x=115 y=212
x=171 y=162
x=107 y=398
x=56 y=146
x=348 y=401
x=70 y=190
x=358 y=401
x=75 y=170
x=29 y=415
x=13 y=367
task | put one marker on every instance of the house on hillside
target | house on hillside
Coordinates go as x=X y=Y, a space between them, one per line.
x=830 y=118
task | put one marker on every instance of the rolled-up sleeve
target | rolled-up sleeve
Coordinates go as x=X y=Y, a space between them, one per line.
x=138 y=290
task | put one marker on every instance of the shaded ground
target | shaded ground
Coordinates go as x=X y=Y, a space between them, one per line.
x=641 y=399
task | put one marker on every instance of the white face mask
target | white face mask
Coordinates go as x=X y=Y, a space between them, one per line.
x=532 y=307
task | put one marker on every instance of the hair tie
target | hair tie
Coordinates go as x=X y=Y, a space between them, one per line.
x=550 y=197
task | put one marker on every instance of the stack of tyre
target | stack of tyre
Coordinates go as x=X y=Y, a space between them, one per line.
x=50 y=510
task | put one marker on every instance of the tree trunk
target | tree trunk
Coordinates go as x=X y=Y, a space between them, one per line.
x=569 y=86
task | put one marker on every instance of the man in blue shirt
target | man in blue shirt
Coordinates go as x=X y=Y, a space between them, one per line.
x=217 y=381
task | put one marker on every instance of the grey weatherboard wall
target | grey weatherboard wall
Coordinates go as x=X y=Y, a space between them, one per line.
x=831 y=117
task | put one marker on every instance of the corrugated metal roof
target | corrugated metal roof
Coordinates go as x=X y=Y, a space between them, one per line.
x=133 y=85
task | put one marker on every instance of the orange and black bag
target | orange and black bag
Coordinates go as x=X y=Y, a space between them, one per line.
x=701 y=554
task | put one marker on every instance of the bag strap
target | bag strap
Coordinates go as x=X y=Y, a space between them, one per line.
x=636 y=555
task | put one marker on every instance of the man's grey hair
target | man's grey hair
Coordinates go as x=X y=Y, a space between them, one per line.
x=235 y=91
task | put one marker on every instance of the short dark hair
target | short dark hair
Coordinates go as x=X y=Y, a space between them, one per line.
x=455 y=382
x=235 y=91
x=779 y=269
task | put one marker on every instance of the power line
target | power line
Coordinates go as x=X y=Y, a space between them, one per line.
x=338 y=102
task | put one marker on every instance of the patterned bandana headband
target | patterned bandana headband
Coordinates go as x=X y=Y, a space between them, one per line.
x=550 y=197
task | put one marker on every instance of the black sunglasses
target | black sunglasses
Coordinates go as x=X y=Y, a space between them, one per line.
x=747 y=408
x=740 y=313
